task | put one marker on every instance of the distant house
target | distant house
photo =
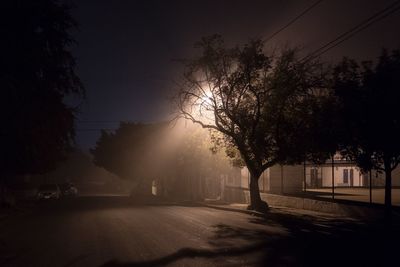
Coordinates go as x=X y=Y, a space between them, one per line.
x=285 y=179
x=342 y=173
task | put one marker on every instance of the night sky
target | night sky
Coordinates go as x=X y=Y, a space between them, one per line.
x=127 y=50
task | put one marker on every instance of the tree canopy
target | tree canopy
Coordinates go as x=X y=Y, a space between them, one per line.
x=179 y=158
x=368 y=95
x=252 y=99
x=37 y=73
x=130 y=151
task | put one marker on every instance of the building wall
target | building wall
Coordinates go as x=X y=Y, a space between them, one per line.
x=378 y=177
x=324 y=174
x=345 y=174
x=277 y=179
x=232 y=186
x=396 y=177
x=339 y=176
x=236 y=190
x=293 y=176
x=286 y=179
x=244 y=178
x=264 y=182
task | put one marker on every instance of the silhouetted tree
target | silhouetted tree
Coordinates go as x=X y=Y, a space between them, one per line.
x=249 y=97
x=178 y=158
x=37 y=72
x=129 y=152
x=369 y=95
x=300 y=110
x=197 y=162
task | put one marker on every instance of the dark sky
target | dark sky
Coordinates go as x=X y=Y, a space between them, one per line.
x=127 y=48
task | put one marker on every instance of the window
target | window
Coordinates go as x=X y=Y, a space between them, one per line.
x=314 y=174
x=345 y=176
x=351 y=177
x=314 y=178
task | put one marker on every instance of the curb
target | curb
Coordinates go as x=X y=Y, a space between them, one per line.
x=220 y=207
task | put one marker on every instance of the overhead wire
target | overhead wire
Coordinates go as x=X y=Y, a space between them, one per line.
x=88 y=121
x=296 y=18
x=378 y=16
x=387 y=11
x=95 y=130
x=293 y=20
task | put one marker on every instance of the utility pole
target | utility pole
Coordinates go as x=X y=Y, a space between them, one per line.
x=333 y=177
x=304 y=177
x=370 y=186
x=281 y=179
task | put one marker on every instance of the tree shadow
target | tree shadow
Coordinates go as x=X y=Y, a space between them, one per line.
x=85 y=203
x=316 y=241
x=282 y=239
x=189 y=253
x=226 y=242
x=327 y=197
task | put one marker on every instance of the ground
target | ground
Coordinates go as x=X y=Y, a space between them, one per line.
x=113 y=231
x=358 y=194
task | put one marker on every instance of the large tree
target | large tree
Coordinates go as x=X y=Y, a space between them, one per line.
x=178 y=158
x=369 y=95
x=130 y=151
x=37 y=73
x=248 y=97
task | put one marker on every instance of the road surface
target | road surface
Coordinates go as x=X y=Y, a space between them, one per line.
x=112 y=231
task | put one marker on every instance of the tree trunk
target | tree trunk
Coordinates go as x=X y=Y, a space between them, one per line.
x=255 y=200
x=2 y=192
x=388 y=188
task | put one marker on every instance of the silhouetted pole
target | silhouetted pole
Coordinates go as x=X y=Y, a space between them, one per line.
x=333 y=178
x=281 y=179
x=304 y=177
x=370 y=187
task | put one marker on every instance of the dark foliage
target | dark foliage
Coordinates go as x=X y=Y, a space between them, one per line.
x=128 y=151
x=254 y=100
x=178 y=159
x=36 y=74
x=369 y=95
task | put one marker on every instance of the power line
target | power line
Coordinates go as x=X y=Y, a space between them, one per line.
x=294 y=20
x=95 y=130
x=367 y=21
x=354 y=30
x=88 y=121
x=361 y=29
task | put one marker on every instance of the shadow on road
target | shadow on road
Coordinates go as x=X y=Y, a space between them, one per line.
x=315 y=241
x=85 y=203
x=189 y=253
x=304 y=241
x=277 y=239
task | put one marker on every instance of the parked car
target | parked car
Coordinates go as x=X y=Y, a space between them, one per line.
x=48 y=191
x=68 y=190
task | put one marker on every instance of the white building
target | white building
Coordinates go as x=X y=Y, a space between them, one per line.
x=340 y=172
x=285 y=179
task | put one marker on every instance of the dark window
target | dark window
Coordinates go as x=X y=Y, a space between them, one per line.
x=314 y=177
x=351 y=177
x=314 y=174
x=345 y=176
